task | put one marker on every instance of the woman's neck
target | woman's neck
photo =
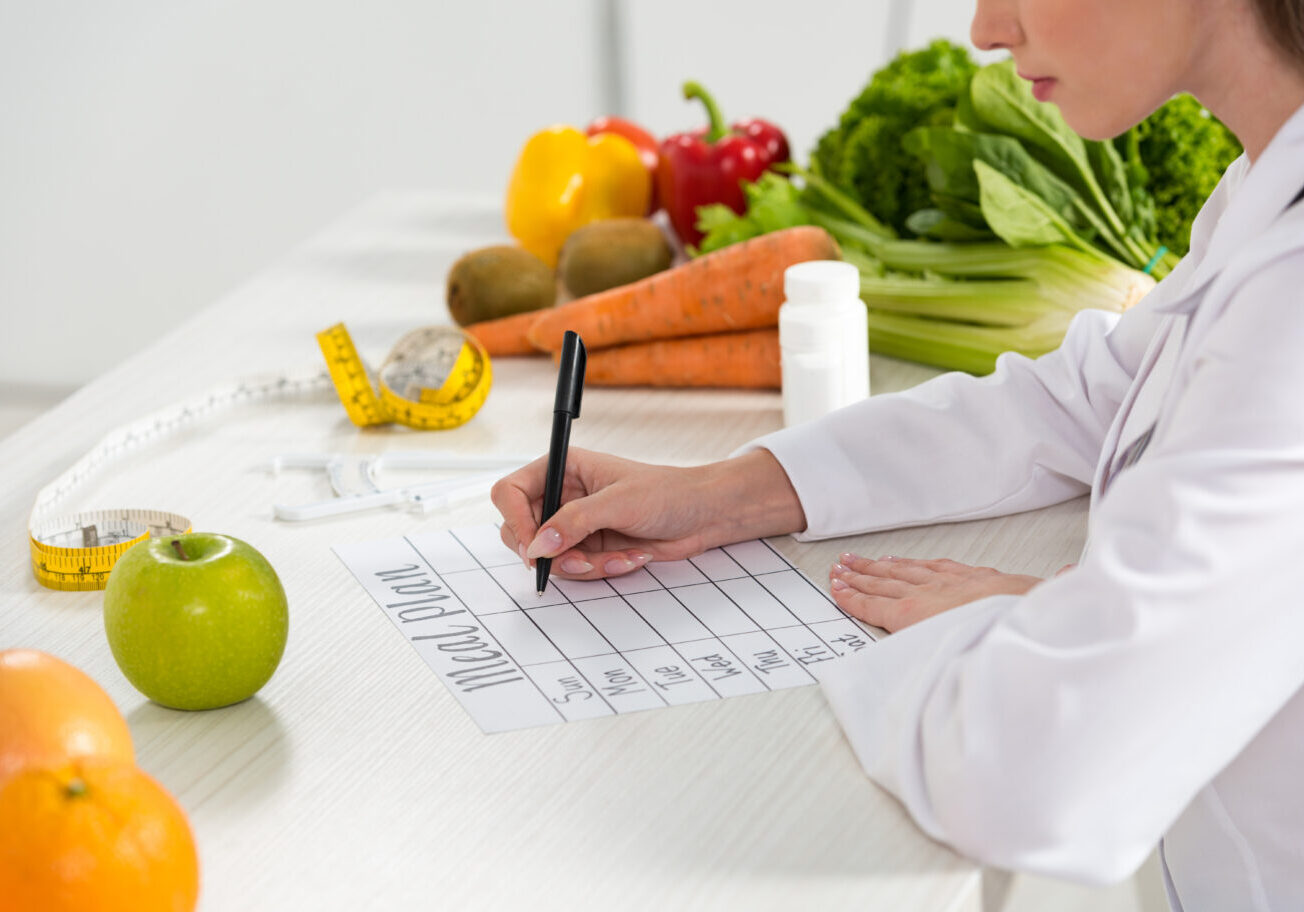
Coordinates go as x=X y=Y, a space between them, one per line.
x=1247 y=82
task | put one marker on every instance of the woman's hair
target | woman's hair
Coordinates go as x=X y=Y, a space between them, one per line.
x=1284 y=21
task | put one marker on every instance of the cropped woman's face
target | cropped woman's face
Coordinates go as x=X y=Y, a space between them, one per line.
x=1106 y=64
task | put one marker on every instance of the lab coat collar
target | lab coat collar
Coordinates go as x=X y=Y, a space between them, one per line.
x=1255 y=197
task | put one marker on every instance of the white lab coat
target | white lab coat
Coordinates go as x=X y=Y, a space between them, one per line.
x=1154 y=690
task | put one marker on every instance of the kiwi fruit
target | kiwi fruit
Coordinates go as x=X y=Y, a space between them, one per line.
x=611 y=252
x=498 y=281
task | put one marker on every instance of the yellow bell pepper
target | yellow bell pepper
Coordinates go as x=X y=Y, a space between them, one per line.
x=564 y=179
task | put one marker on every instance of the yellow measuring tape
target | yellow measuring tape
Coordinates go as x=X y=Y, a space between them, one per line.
x=77 y=552
x=435 y=378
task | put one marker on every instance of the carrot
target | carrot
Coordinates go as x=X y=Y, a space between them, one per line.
x=506 y=335
x=741 y=359
x=735 y=287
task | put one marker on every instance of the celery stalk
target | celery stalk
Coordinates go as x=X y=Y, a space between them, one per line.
x=958 y=346
x=1000 y=302
x=991 y=284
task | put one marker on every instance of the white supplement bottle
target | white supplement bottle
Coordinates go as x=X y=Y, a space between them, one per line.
x=823 y=340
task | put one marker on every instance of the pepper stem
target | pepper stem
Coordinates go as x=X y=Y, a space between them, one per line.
x=718 y=128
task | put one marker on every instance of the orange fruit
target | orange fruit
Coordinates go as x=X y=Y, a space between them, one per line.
x=51 y=712
x=94 y=835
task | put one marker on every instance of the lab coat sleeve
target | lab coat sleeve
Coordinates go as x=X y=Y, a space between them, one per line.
x=960 y=447
x=1064 y=731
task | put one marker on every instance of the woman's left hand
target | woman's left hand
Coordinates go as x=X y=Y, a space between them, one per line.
x=895 y=592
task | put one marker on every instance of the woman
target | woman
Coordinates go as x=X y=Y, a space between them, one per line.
x=1152 y=692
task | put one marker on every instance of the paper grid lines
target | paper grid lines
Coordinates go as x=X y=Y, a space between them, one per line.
x=735 y=620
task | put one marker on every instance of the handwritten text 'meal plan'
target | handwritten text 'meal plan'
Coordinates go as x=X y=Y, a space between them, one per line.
x=439 y=617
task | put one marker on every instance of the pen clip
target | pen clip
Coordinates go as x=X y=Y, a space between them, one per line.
x=570 y=375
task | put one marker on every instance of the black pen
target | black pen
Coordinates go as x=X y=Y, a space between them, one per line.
x=565 y=409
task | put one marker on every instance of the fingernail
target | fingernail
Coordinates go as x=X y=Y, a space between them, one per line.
x=838 y=585
x=839 y=569
x=618 y=565
x=640 y=558
x=846 y=557
x=576 y=565
x=888 y=557
x=546 y=544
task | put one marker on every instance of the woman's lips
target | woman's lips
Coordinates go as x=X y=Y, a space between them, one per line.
x=1041 y=86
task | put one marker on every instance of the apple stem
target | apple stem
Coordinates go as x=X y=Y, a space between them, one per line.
x=176 y=546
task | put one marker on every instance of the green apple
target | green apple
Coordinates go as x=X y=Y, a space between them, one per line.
x=195 y=621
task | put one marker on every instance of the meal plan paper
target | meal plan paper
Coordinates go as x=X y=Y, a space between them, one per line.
x=735 y=620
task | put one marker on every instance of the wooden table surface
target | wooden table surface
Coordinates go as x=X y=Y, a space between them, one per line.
x=354 y=780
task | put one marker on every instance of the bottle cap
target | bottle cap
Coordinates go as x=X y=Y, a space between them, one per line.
x=821 y=282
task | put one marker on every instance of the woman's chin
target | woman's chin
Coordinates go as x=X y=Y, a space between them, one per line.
x=1091 y=125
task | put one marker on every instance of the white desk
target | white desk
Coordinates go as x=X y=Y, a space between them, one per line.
x=354 y=780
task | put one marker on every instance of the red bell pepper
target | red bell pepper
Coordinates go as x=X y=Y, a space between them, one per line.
x=709 y=164
x=644 y=141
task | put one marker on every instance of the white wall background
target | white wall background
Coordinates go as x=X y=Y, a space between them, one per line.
x=154 y=153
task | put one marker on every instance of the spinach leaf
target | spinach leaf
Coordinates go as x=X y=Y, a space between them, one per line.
x=1018 y=216
x=965 y=211
x=949 y=156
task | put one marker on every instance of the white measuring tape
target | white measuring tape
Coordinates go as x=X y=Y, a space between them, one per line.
x=76 y=551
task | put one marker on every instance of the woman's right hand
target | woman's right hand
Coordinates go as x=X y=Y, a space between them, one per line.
x=617 y=514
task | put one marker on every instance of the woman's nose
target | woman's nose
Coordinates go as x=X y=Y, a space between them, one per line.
x=995 y=25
